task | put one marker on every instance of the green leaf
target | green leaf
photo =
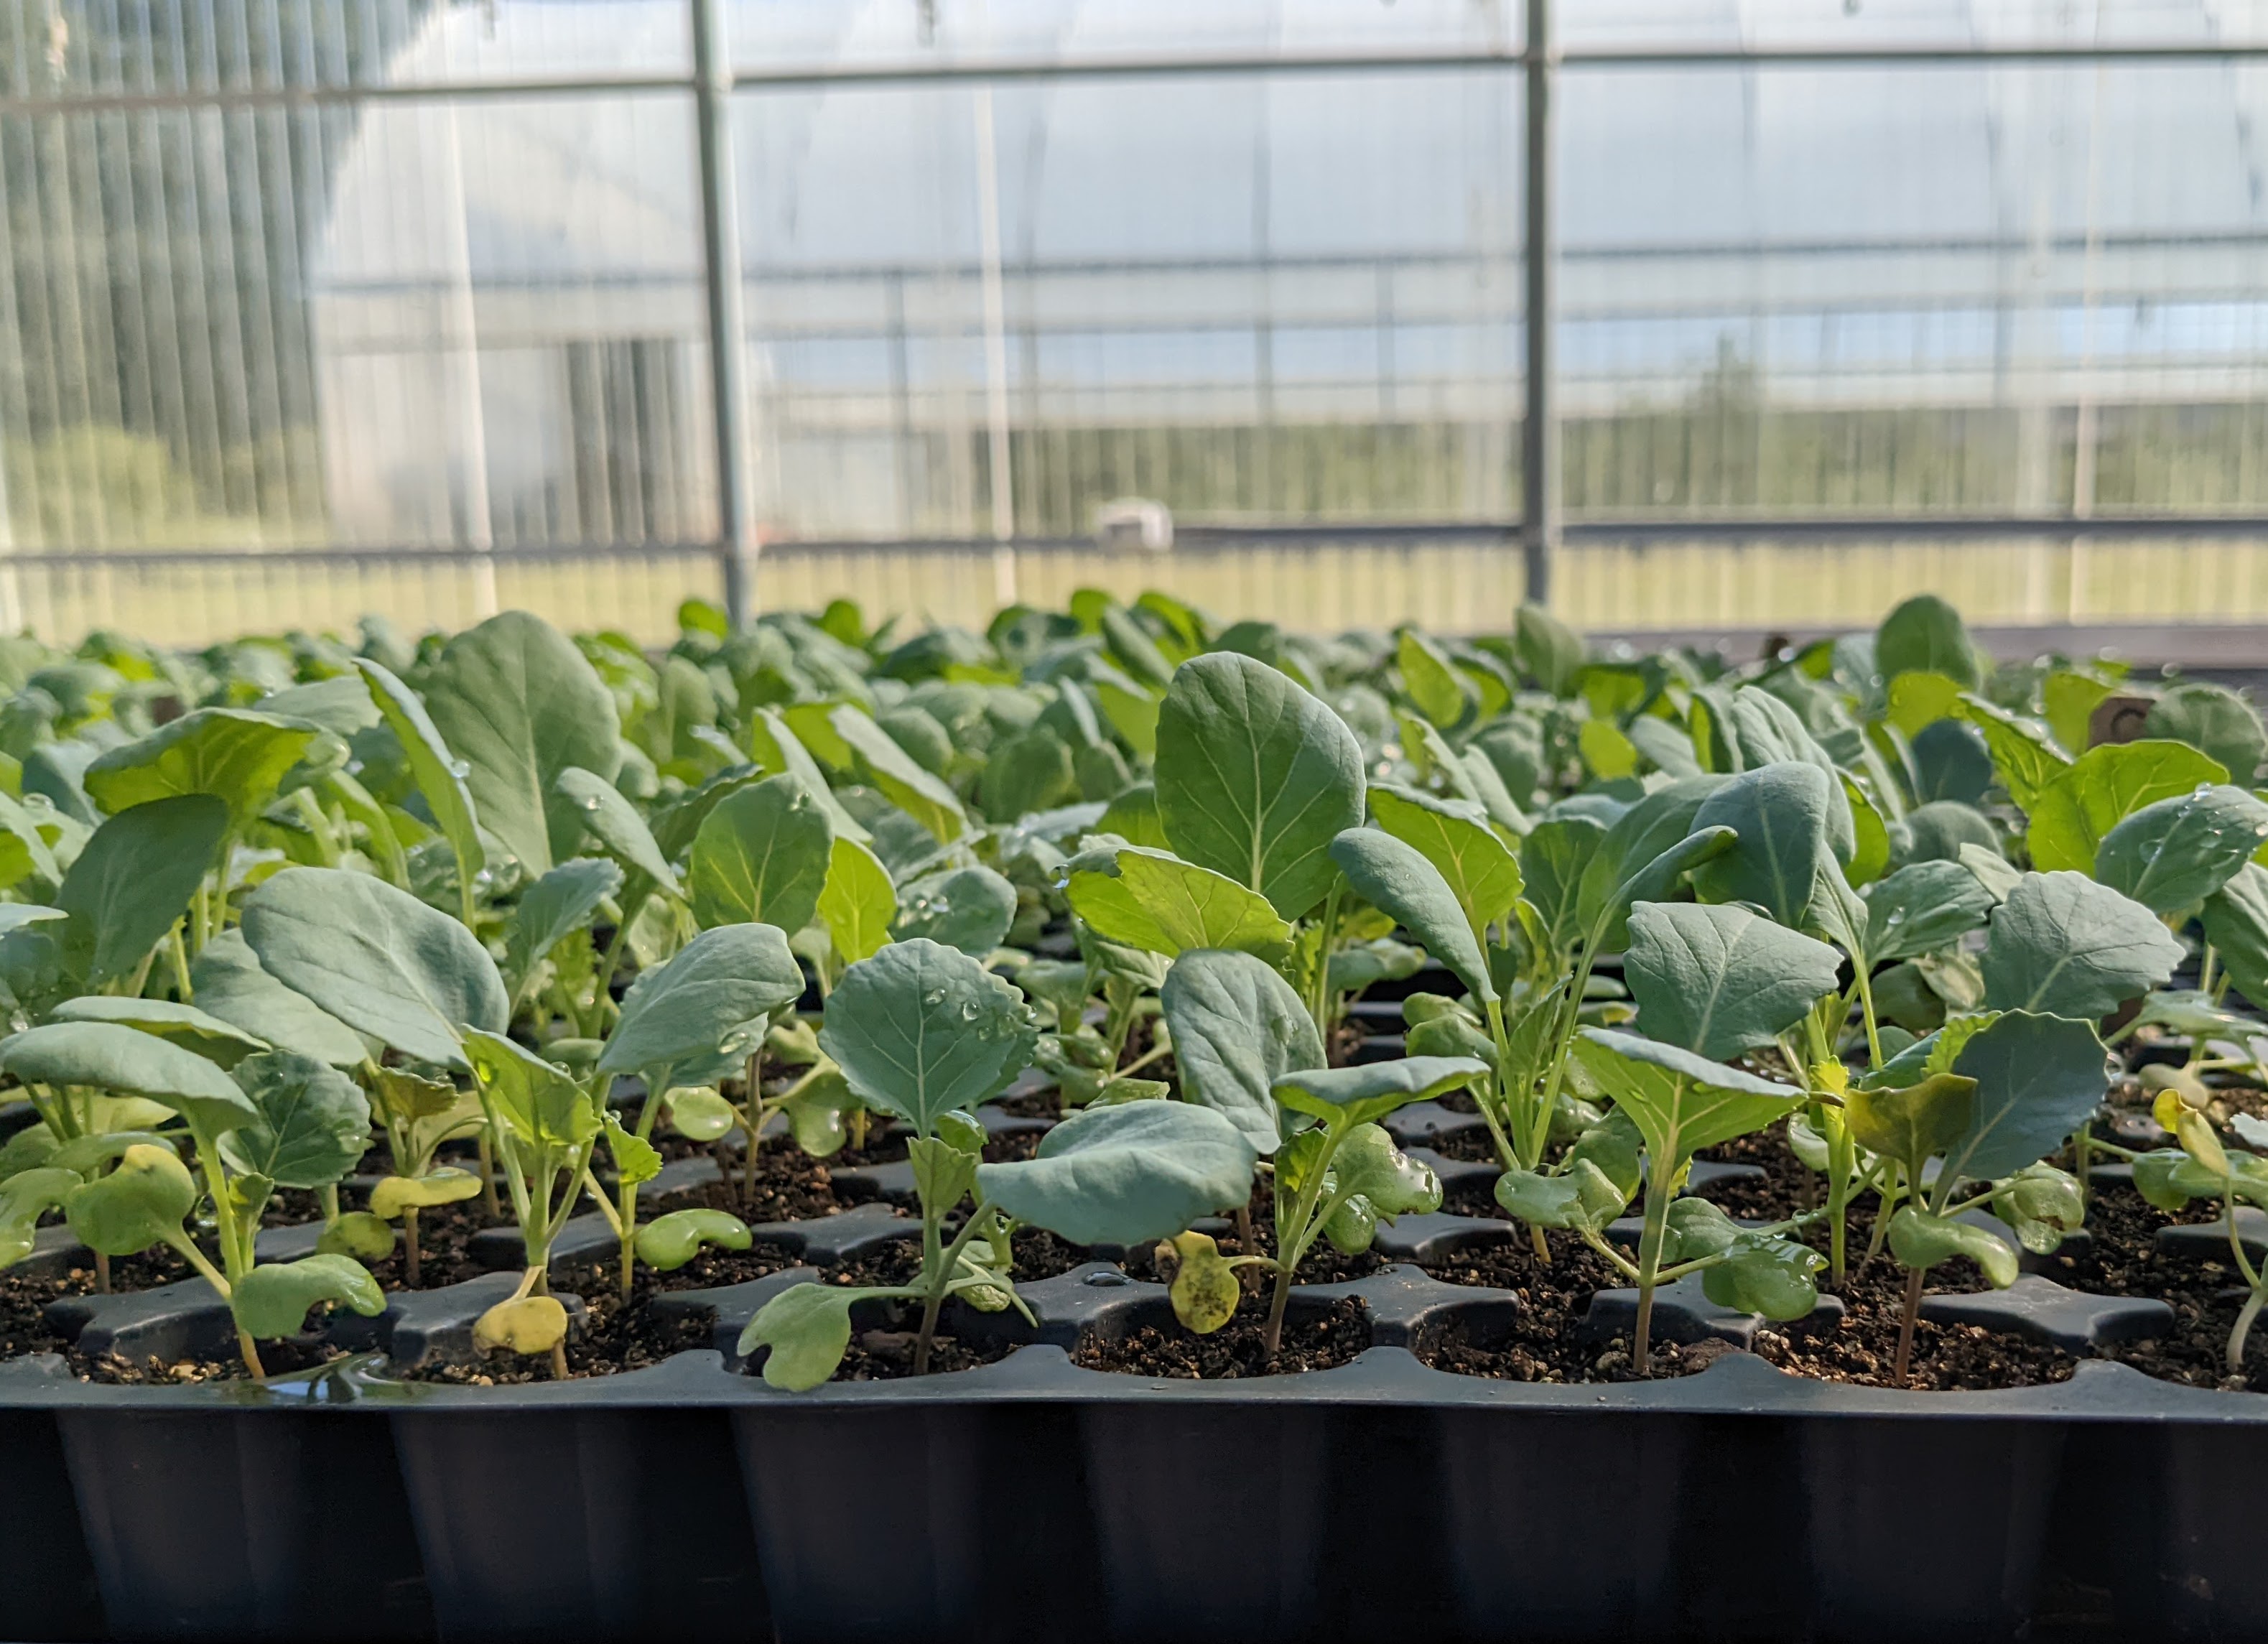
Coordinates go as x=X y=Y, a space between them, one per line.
x=1237 y=1027
x=667 y=1243
x=1922 y=1241
x=1125 y=1174
x=2215 y=720
x=105 y=1056
x=555 y=907
x=1549 y=651
x=815 y=1114
x=2105 y=786
x=133 y=879
x=2175 y=853
x=1582 y=1197
x=142 y=1203
x=447 y=1185
x=360 y=1234
x=762 y=857
x=1766 y=1275
x=968 y=908
x=1913 y=1123
x=1256 y=777
x=720 y=988
x=2068 y=699
x=858 y=903
x=230 y=985
x=808 y=1328
x=1429 y=678
x=1368 y=1164
x=1479 y=867
x=1721 y=980
x=2236 y=924
x=700 y=1114
x=1355 y=1096
x=537 y=1101
x=944 y=1171
x=1161 y=904
x=636 y=1159
x=1779 y=815
x=777 y=750
x=25 y=1196
x=929 y=799
x=2025 y=757
x=377 y=959
x=438 y=773
x=2062 y=943
x=1921 y=908
x=234 y=754
x=221 y=1043
x=1925 y=635
x=314 y=1126
x=920 y=1029
x=273 y=1298
x=1555 y=859
x=614 y=821
x=1918 y=700
x=1398 y=880
x=1027 y=773
x=1679 y=1101
x=2037 y=1079
x=518 y=704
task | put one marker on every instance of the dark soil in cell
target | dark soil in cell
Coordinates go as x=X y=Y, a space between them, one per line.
x=1036 y=1104
x=1317 y=1341
x=1538 y=1342
x=1790 y=1189
x=2205 y=1295
x=612 y=1337
x=1863 y=1347
x=789 y=1185
x=1476 y=1146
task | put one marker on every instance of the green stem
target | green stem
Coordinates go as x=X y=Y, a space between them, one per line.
x=2244 y=1328
x=1658 y=1194
x=1907 y=1318
x=1866 y=1014
x=1319 y=996
x=177 y=952
x=935 y=1279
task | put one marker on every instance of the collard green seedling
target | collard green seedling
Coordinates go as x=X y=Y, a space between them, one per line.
x=921 y=1031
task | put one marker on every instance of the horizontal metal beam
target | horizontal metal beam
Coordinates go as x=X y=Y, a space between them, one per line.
x=820 y=77
x=1198 y=538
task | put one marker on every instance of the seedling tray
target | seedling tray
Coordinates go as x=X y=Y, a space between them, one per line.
x=1031 y=1498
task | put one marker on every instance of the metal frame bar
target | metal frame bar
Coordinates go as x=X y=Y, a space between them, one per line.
x=1199 y=538
x=1540 y=477
x=881 y=75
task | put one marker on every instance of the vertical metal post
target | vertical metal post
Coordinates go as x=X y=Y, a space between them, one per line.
x=728 y=329
x=1539 y=432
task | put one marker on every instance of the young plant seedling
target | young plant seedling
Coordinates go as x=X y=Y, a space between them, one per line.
x=924 y=1033
x=126 y=1192
x=2201 y=1167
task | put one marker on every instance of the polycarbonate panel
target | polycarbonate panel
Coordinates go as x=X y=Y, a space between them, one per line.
x=62 y=48
x=1869 y=290
x=1244 y=297
x=788 y=36
x=422 y=324
x=1904 y=24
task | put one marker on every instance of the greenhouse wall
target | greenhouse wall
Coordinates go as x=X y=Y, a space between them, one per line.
x=316 y=307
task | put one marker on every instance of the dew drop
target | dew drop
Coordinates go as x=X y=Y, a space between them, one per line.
x=935 y=996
